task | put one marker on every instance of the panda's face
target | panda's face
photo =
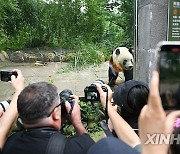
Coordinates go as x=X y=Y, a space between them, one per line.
x=123 y=58
x=126 y=62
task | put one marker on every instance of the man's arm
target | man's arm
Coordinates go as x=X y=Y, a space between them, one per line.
x=121 y=127
x=9 y=117
x=75 y=116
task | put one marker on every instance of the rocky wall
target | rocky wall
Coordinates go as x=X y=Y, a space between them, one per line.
x=31 y=57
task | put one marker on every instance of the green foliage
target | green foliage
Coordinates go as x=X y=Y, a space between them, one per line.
x=87 y=54
x=88 y=27
x=127 y=20
x=3 y=39
x=120 y=26
x=89 y=117
x=19 y=40
x=59 y=23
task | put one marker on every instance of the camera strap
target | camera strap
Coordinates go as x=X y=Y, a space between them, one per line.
x=72 y=106
x=104 y=125
x=106 y=108
x=56 y=144
x=105 y=128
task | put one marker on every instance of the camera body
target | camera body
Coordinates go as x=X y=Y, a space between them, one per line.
x=6 y=75
x=91 y=92
x=65 y=96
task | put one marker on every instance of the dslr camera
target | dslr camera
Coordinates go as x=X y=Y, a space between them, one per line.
x=65 y=96
x=91 y=92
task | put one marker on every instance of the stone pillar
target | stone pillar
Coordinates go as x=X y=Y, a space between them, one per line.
x=152 y=26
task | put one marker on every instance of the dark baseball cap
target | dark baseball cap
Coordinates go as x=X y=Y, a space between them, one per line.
x=121 y=92
x=111 y=145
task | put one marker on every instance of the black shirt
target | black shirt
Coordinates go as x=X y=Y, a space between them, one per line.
x=34 y=141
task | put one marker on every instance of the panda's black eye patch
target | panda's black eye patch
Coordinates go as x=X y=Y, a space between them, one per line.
x=124 y=62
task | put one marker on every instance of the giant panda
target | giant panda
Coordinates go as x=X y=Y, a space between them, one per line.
x=121 y=62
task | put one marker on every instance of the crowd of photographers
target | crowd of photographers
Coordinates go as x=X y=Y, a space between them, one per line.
x=38 y=108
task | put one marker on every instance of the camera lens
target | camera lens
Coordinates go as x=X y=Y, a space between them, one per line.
x=65 y=95
x=4 y=105
x=100 y=82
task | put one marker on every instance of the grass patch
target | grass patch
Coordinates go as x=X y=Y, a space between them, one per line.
x=97 y=136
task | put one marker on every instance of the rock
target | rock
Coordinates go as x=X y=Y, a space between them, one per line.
x=55 y=53
x=67 y=57
x=50 y=56
x=4 y=53
x=30 y=57
x=17 y=57
x=44 y=56
x=2 y=58
x=58 y=58
x=40 y=56
x=40 y=63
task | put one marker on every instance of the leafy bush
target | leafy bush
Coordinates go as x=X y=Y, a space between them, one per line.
x=3 y=39
x=89 y=117
x=86 y=54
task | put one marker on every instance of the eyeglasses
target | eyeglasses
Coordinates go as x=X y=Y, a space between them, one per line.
x=53 y=109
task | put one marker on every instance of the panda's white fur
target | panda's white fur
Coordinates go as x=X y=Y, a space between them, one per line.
x=122 y=59
x=122 y=63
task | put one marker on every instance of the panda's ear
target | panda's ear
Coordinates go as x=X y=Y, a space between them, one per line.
x=131 y=51
x=117 y=52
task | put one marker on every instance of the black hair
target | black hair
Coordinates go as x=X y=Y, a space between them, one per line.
x=136 y=99
x=36 y=101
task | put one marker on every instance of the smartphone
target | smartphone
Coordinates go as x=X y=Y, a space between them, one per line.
x=6 y=75
x=169 y=74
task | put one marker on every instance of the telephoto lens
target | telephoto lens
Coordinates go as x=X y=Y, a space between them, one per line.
x=4 y=105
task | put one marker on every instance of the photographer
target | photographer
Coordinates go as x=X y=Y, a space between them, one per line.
x=39 y=108
x=9 y=117
x=121 y=127
x=153 y=120
x=131 y=96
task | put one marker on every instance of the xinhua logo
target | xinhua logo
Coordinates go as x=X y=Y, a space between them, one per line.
x=163 y=139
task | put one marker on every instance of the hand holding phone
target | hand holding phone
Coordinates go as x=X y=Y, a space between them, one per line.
x=6 y=75
x=169 y=71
